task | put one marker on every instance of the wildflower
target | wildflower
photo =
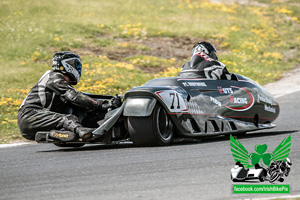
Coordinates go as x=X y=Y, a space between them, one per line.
x=234 y=28
x=35 y=55
x=133 y=30
x=283 y=10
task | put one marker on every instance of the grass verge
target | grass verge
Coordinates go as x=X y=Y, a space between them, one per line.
x=126 y=44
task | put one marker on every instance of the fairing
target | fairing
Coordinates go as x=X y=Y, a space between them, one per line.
x=204 y=107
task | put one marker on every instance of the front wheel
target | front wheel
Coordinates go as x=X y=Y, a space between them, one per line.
x=155 y=130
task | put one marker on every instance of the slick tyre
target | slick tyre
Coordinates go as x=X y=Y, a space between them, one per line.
x=155 y=130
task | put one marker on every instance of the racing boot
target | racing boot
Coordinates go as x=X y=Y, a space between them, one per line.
x=84 y=133
x=65 y=136
x=72 y=124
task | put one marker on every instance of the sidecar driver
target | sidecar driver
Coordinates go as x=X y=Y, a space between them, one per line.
x=204 y=64
x=43 y=109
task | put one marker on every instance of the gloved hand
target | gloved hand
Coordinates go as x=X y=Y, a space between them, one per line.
x=104 y=105
x=115 y=102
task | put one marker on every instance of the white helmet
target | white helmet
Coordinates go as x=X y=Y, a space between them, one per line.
x=205 y=47
x=68 y=63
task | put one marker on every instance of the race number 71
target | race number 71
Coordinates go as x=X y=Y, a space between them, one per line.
x=172 y=105
x=173 y=100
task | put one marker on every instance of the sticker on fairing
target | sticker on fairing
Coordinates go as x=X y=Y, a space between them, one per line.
x=173 y=100
x=241 y=103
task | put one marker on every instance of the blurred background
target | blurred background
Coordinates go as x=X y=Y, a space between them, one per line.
x=124 y=44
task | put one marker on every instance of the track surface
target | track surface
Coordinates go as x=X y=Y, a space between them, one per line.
x=198 y=170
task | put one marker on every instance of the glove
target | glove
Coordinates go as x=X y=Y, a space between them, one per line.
x=104 y=105
x=115 y=102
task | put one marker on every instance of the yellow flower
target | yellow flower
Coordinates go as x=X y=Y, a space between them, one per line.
x=283 y=10
x=235 y=28
x=225 y=44
x=295 y=19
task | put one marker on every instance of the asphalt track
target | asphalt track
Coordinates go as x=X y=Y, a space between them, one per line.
x=194 y=170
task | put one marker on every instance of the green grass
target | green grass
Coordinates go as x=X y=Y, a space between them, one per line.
x=252 y=40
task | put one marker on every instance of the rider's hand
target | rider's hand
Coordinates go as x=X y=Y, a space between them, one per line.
x=104 y=105
x=115 y=102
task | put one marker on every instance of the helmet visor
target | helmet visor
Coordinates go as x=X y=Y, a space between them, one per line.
x=78 y=65
x=73 y=68
x=210 y=47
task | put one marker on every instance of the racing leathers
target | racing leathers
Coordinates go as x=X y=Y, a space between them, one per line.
x=203 y=66
x=44 y=108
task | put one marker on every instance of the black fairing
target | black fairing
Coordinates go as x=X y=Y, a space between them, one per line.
x=200 y=107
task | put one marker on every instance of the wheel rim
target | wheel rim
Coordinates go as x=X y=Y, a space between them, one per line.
x=164 y=124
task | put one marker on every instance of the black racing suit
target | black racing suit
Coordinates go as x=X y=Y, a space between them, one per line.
x=44 y=107
x=203 y=66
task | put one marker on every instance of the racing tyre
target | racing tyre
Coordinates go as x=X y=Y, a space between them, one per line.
x=261 y=178
x=155 y=130
x=60 y=144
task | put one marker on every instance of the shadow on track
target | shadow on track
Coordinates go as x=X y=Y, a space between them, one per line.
x=225 y=138
x=94 y=147
x=90 y=147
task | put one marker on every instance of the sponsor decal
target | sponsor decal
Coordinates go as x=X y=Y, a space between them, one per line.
x=270 y=109
x=225 y=90
x=191 y=84
x=261 y=166
x=238 y=103
x=238 y=100
x=61 y=135
x=215 y=101
x=264 y=99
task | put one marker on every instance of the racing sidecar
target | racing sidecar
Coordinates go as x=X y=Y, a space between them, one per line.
x=239 y=173
x=171 y=108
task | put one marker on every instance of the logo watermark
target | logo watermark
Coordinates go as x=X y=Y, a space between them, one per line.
x=241 y=189
x=260 y=166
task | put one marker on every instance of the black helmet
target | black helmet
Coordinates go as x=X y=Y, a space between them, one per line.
x=68 y=63
x=207 y=48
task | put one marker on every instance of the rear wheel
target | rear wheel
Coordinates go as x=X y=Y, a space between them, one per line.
x=155 y=130
x=261 y=177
